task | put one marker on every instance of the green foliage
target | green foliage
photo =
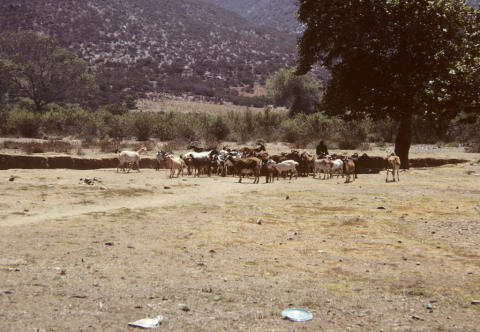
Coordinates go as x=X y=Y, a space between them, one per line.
x=392 y=59
x=116 y=109
x=25 y=122
x=300 y=94
x=219 y=128
x=36 y=67
x=5 y=127
x=142 y=127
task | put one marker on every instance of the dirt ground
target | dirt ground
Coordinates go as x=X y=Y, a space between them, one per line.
x=212 y=254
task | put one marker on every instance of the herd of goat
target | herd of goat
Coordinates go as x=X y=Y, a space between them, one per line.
x=257 y=161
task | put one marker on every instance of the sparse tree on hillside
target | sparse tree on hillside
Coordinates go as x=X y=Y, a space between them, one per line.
x=300 y=94
x=394 y=59
x=36 y=67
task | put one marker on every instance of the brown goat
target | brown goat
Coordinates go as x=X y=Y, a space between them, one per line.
x=248 y=152
x=246 y=164
x=394 y=165
x=349 y=169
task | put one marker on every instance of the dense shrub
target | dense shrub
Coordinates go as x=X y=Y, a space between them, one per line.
x=142 y=127
x=303 y=131
x=25 y=122
x=5 y=127
x=219 y=128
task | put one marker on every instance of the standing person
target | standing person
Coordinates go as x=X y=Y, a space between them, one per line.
x=322 y=148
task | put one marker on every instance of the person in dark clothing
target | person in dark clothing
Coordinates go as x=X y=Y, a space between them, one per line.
x=322 y=148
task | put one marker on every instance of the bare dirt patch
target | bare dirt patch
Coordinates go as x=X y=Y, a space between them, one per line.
x=363 y=256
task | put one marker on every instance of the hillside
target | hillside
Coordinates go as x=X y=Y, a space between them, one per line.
x=279 y=14
x=137 y=47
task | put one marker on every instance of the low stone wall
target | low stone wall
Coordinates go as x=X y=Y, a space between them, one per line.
x=7 y=161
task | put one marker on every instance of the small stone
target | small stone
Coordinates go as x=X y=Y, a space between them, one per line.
x=166 y=187
x=429 y=306
x=103 y=188
x=225 y=279
x=476 y=302
x=212 y=251
x=418 y=263
x=259 y=221
x=382 y=208
x=288 y=197
x=11 y=179
x=109 y=243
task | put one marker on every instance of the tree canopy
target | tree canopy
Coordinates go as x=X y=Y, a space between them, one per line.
x=393 y=58
x=36 y=67
x=300 y=94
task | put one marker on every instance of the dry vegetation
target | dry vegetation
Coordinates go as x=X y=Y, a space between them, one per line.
x=183 y=106
x=195 y=253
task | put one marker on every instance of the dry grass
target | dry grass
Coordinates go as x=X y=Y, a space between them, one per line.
x=189 y=107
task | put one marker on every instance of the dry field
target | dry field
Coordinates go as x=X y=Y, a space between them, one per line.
x=185 y=106
x=211 y=254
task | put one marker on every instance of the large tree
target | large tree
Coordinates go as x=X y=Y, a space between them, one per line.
x=393 y=59
x=300 y=94
x=37 y=67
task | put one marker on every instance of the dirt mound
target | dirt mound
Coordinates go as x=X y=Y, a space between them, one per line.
x=51 y=162
x=8 y=161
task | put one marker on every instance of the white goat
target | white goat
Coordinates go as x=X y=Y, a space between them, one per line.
x=131 y=157
x=285 y=166
x=394 y=165
x=336 y=166
x=175 y=163
x=321 y=165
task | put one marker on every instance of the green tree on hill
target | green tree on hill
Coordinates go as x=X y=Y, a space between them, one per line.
x=36 y=67
x=394 y=59
x=300 y=94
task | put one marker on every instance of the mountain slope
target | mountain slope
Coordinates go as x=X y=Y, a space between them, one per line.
x=279 y=14
x=169 y=46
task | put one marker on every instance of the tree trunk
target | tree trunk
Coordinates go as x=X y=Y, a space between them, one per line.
x=404 y=140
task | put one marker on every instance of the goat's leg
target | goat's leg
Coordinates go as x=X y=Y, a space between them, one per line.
x=119 y=166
